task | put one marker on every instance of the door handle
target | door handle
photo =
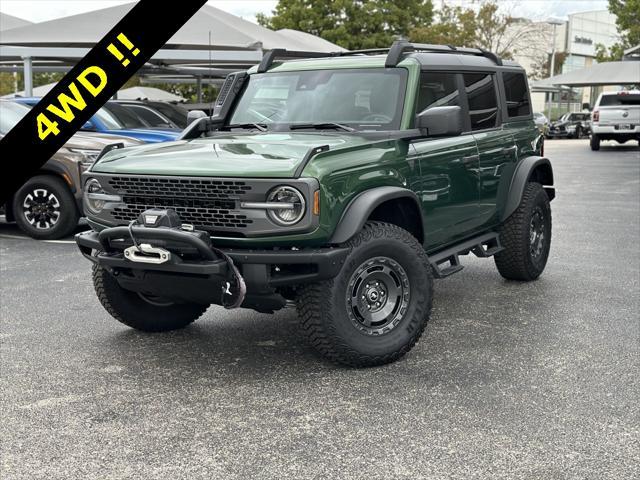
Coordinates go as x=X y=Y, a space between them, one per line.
x=509 y=150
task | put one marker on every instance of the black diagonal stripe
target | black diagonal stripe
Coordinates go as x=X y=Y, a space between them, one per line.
x=23 y=152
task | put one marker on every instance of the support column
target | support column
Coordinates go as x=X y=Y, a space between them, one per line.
x=199 y=89
x=28 y=76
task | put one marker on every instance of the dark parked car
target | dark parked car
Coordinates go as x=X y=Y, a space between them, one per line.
x=571 y=125
x=115 y=119
x=49 y=204
x=173 y=114
x=343 y=184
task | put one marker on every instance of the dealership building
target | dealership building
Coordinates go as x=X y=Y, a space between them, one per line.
x=577 y=39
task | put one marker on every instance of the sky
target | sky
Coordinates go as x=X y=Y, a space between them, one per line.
x=41 y=10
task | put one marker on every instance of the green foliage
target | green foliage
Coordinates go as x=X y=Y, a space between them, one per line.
x=352 y=24
x=627 y=14
x=454 y=26
x=9 y=82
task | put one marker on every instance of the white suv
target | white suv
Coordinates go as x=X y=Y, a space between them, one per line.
x=616 y=116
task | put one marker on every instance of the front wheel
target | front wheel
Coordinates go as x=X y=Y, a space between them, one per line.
x=377 y=307
x=526 y=237
x=141 y=311
x=45 y=209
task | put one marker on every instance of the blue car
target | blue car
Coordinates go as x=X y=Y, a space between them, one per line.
x=118 y=120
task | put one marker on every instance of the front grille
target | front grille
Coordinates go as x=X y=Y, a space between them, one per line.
x=207 y=204
x=179 y=187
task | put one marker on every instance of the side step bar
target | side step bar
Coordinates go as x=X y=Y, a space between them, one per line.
x=447 y=263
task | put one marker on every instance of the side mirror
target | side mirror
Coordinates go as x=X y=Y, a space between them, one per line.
x=195 y=115
x=440 y=121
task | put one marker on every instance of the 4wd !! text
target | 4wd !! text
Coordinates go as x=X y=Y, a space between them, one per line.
x=343 y=182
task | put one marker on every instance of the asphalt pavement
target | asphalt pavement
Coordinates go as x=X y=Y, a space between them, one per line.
x=510 y=380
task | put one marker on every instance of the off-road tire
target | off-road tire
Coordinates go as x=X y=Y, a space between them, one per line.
x=516 y=261
x=67 y=210
x=132 y=310
x=324 y=308
x=594 y=142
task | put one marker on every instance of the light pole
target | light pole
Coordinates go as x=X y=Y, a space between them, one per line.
x=555 y=22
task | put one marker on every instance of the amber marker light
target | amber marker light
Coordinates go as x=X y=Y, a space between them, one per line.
x=316 y=202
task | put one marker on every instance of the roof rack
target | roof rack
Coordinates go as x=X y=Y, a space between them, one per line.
x=281 y=53
x=400 y=47
x=394 y=54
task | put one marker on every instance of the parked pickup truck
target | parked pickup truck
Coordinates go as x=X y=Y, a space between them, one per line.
x=342 y=184
x=616 y=116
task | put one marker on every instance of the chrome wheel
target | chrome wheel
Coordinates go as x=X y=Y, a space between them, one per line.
x=378 y=296
x=41 y=208
x=537 y=235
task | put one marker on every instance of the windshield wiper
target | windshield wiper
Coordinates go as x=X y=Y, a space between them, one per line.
x=258 y=126
x=321 y=126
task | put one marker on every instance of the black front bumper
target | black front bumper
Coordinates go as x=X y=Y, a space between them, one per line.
x=195 y=269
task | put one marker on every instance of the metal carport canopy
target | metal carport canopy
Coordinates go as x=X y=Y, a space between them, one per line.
x=211 y=38
x=608 y=73
x=209 y=26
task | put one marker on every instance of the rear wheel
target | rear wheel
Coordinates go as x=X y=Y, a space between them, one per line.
x=377 y=307
x=141 y=311
x=45 y=209
x=526 y=237
x=594 y=142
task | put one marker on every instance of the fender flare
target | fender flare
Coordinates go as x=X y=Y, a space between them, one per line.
x=360 y=208
x=521 y=176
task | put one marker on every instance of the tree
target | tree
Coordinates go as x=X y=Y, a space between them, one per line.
x=352 y=24
x=454 y=26
x=486 y=27
x=627 y=13
x=540 y=69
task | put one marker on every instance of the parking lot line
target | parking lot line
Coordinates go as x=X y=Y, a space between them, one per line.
x=18 y=237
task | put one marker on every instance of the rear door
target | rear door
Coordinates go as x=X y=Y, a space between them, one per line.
x=496 y=146
x=448 y=182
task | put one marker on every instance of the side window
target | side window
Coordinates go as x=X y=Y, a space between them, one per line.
x=515 y=87
x=483 y=104
x=437 y=90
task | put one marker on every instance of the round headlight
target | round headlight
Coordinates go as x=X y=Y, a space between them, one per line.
x=92 y=193
x=295 y=205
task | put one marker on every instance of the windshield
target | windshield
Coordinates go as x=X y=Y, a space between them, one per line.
x=364 y=99
x=116 y=117
x=10 y=114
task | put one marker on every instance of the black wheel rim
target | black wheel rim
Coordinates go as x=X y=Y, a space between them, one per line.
x=537 y=235
x=41 y=208
x=378 y=296
x=154 y=300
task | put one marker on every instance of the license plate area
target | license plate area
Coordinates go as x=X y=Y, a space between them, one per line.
x=624 y=126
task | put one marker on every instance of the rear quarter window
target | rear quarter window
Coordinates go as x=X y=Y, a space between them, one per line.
x=483 y=102
x=615 y=100
x=516 y=92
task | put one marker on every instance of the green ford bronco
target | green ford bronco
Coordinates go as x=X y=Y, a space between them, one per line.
x=341 y=183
